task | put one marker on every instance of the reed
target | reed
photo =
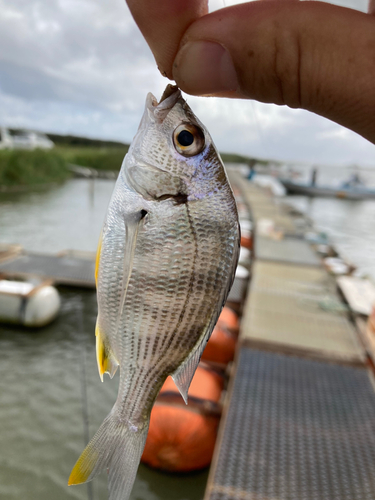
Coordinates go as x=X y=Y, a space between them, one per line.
x=26 y=168
x=101 y=158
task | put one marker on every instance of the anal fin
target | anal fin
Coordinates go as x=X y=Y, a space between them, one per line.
x=183 y=376
x=107 y=363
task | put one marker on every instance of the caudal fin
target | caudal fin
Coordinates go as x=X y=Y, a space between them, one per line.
x=114 y=447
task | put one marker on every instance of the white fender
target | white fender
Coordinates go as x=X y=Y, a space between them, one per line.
x=25 y=304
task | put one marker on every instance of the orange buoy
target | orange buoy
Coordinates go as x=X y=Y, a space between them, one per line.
x=228 y=319
x=247 y=241
x=206 y=385
x=182 y=438
x=222 y=344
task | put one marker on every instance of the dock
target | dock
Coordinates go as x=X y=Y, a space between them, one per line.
x=299 y=417
x=70 y=268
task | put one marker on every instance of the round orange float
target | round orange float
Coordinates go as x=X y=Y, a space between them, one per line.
x=228 y=319
x=247 y=241
x=222 y=344
x=182 y=438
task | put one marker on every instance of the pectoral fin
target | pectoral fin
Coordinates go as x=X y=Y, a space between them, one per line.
x=132 y=224
x=107 y=363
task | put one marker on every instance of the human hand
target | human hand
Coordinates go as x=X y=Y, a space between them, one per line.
x=309 y=55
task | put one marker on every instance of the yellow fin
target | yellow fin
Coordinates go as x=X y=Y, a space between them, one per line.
x=83 y=467
x=98 y=252
x=106 y=360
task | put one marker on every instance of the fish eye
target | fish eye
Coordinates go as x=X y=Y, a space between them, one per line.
x=188 y=139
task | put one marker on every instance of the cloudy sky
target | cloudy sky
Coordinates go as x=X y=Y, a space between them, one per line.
x=82 y=67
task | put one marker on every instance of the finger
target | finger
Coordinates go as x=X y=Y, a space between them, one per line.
x=163 y=22
x=307 y=54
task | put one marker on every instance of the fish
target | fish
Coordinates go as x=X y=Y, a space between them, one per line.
x=165 y=264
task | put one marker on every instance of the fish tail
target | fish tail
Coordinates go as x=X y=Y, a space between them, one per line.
x=117 y=448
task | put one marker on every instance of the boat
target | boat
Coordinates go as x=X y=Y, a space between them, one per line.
x=24 y=139
x=27 y=304
x=347 y=191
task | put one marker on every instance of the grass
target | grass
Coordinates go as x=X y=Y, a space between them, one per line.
x=101 y=158
x=26 y=168
x=29 y=168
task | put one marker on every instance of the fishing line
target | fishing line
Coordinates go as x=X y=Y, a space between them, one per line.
x=258 y=127
x=83 y=380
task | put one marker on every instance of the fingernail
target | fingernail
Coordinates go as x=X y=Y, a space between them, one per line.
x=204 y=68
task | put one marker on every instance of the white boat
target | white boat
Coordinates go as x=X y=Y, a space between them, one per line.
x=26 y=304
x=24 y=139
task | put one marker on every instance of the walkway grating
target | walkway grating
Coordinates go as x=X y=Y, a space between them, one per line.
x=295 y=429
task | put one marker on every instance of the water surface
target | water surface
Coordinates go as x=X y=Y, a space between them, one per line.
x=51 y=397
x=349 y=224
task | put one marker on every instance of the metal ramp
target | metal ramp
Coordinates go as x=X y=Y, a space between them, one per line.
x=295 y=429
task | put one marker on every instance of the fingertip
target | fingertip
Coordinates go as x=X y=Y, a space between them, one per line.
x=205 y=68
x=163 y=24
x=309 y=55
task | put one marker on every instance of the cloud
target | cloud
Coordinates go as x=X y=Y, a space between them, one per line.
x=82 y=67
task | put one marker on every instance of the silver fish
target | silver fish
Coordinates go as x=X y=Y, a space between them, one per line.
x=166 y=262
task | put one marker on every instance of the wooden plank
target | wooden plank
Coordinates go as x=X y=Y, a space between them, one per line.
x=367 y=336
x=9 y=252
x=286 y=250
x=283 y=313
x=62 y=270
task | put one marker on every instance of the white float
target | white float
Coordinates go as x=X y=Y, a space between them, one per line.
x=27 y=304
x=245 y=256
x=238 y=290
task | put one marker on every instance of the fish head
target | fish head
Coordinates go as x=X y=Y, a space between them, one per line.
x=172 y=154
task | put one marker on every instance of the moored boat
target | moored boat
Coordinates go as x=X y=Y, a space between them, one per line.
x=348 y=192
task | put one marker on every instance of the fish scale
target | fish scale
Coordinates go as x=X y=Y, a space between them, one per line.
x=166 y=261
x=180 y=336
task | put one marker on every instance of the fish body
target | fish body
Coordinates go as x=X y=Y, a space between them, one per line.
x=166 y=262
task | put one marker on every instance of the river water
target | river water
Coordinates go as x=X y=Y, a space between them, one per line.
x=350 y=225
x=51 y=397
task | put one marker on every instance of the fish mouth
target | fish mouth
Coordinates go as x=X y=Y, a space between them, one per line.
x=169 y=99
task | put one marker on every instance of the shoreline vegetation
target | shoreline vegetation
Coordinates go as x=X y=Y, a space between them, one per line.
x=20 y=169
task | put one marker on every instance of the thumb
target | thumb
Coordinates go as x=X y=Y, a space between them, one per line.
x=309 y=55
